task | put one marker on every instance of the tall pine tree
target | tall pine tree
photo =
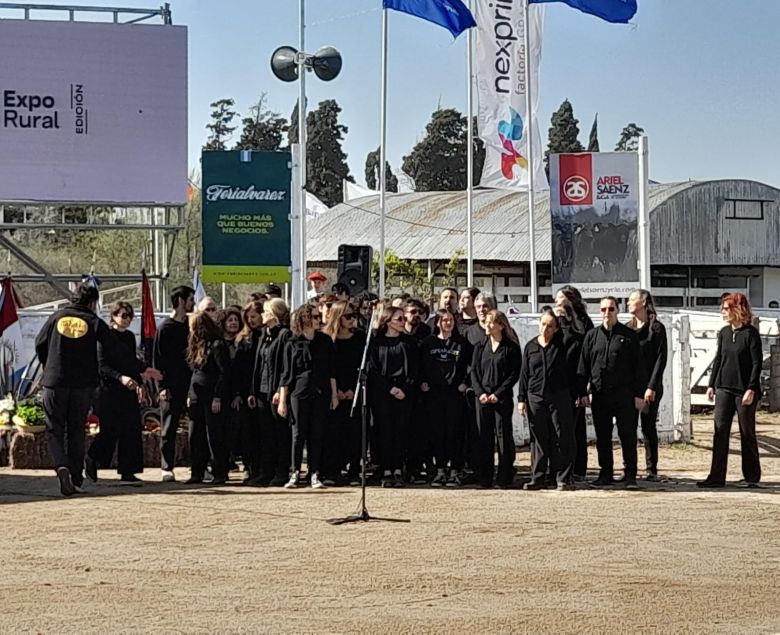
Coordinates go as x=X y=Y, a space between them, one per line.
x=629 y=138
x=372 y=173
x=563 y=134
x=438 y=161
x=593 y=140
x=262 y=129
x=222 y=115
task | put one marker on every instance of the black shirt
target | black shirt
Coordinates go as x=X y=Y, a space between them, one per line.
x=475 y=333
x=67 y=347
x=496 y=372
x=444 y=362
x=269 y=361
x=309 y=365
x=349 y=354
x=738 y=361
x=392 y=363
x=170 y=354
x=212 y=380
x=421 y=332
x=653 y=349
x=545 y=373
x=572 y=342
x=611 y=361
x=119 y=360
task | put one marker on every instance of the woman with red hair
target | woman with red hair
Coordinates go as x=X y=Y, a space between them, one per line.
x=735 y=385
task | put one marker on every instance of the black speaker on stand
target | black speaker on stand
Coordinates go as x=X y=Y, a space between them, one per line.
x=354 y=267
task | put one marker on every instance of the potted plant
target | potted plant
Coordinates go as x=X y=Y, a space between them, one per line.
x=29 y=417
x=7 y=409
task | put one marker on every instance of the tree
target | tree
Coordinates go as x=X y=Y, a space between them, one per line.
x=408 y=275
x=222 y=115
x=438 y=161
x=372 y=173
x=262 y=129
x=593 y=140
x=326 y=162
x=563 y=133
x=629 y=138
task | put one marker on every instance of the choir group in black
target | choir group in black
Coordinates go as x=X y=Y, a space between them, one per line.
x=267 y=387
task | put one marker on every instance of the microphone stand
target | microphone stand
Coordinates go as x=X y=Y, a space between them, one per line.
x=361 y=392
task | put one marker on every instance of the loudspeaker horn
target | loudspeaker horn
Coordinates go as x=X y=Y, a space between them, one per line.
x=326 y=63
x=284 y=63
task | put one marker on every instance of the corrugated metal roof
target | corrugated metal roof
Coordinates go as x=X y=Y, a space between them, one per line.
x=432 y=225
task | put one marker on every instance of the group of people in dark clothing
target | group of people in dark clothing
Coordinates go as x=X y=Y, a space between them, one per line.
x=268 y=387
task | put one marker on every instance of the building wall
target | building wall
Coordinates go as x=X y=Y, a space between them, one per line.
x=718 y=223
x=771 y=285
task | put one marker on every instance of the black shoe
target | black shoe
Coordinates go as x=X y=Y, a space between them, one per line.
x=90 y=468
x=631 y=484
x=194 y=480
x=130 y=479
x=219 y=480
x=261 y=481
x=565 y=487
x=602 y=481
x=708 y=484
x=398 y=480
x=652 y=476
x=66 y=484
x=534 y=485
x=279 y=481
x=387 y=480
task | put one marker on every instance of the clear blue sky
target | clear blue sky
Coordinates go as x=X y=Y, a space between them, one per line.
x=699 y=75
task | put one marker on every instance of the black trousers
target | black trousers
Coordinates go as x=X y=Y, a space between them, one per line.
x=726 y=405
x=249 y=439
x=617 y=407
x=343 y=440
x=471 y=432
x=580 y=442
x=66 y=412
x=418 y=447
x=445 y=406
x=648 y=420
x=391 y=419
x=275 y=441
x=552 y=427
x=170 y=413
x=120 y=429
x=308 y=418
x=495 y=429
x=207 y=436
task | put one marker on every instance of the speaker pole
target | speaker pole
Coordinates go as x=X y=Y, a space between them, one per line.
x=302 y=149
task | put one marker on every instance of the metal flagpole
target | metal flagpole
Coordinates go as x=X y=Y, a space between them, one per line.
x=531 y=166
x=383 y=157
x=644 y=224
x=469 y=162
x=302 y=157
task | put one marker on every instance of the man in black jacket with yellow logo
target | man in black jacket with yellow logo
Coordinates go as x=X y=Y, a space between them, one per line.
x=610 y=363
x=67 y=347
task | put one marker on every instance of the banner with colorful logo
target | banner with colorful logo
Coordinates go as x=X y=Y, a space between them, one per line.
x=501 y=54
x=246 y=216
x=594 y=200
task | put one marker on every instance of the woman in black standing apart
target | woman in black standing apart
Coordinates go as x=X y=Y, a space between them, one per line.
x=208 y=399
x=308 y=386
x=445 y=359
x=246 y=344
x=344 y=437
x=545 y=395
x=120 y=414
x=495 y=369
x=735 y=384
x=392 y=375
x=653 y=349
x=576 y=325
x=275 y=439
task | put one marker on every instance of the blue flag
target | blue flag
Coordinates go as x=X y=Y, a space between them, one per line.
x=620 y=11
x=453 y=15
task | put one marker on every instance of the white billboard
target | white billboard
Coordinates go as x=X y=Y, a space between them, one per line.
x=93 y=112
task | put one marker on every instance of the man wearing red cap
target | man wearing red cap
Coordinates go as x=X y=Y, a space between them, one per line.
x=317 y=281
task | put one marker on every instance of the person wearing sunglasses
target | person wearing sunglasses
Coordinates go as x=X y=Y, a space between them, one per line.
x=611 y=364
x=308 y=390
x=392 y=376
x=118 y=404
x=343 y=439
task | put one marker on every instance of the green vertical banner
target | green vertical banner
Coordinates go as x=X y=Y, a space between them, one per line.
x=246 y=216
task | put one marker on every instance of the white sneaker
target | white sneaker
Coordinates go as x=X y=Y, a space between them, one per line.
x=293 y=482
x=316 y=483
x=168 y=476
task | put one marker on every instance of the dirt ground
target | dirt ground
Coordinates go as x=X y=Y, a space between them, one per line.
x=175 y=559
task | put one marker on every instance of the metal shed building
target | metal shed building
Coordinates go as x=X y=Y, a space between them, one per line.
x=706 y=237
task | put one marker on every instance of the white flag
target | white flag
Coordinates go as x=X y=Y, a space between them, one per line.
x=504 y=124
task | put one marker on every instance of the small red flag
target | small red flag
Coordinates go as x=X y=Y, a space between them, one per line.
x=148 y=325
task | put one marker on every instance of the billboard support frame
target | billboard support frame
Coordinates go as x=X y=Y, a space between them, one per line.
x=145 y=14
